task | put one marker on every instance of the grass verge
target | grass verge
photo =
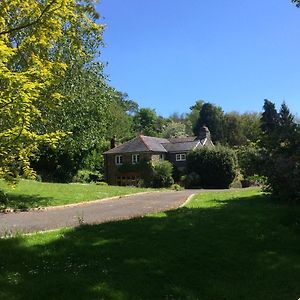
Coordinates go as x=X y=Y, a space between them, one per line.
x=31 y=194
x=225 y=246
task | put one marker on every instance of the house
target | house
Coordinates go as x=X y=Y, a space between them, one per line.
x=122 y=163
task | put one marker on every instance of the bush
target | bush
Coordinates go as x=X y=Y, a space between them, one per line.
x=3 y=199
x=191 y=180
x=237 y=184
x=249 y=160
x=102 y=183
x=160 y=175
x=216 y=167
x=176 y=187
x=87 y=176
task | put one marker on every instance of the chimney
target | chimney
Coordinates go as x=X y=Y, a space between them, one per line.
x=204 y=133
x=113 y=142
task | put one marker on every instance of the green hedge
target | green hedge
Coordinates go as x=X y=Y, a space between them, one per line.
x=216 y=167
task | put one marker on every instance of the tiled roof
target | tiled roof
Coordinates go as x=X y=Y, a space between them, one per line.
x=140 y=144
x=183 y=139
x=145 y=143
x=154 y=144
x=182 y=146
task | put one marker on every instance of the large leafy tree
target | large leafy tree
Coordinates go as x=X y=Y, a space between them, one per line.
x=31 y=66
x=145 y=122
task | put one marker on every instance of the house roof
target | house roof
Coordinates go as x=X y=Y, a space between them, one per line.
x=145 y=143
x=182 y=146
x=183 y=139
x=141 y=143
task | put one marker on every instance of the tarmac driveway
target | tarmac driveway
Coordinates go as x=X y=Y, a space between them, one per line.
x=91 y=213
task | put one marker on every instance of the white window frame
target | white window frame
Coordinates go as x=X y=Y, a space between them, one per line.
x=180 y=157
x=119 y=160
x=135 y=158
x=161 y=157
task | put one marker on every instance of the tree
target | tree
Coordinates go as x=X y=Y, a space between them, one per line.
x=193 y=115
x=297 y=2
x=281 y=151
x=250 y=126
x=269 y=118
x=233 y=134
x=145 y=122
x=31 y=67
x=211 y=116
x=173 y=130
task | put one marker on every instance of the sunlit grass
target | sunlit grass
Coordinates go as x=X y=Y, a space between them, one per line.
x=225 y=245
x=28 y=193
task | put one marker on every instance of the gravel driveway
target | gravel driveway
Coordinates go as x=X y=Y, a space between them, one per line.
x=91 y=213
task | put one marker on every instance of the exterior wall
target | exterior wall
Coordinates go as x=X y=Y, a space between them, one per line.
x=171 y=157
x=114 y=177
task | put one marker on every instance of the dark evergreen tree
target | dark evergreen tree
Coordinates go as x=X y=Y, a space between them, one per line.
x=269 y=118
x=211 y=116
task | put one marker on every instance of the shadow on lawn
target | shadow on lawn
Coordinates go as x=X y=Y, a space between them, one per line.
x=244 y=249
x=21 y=201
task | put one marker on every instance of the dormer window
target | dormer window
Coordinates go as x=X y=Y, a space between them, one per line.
x=135 y=158
x=119 y=160
x=181 y=157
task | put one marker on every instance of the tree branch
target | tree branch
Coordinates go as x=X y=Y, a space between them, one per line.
x=26 y=25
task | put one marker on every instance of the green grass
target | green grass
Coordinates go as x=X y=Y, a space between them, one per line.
x=29 y=193
x=225 y=246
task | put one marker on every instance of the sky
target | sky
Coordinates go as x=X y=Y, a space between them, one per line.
x=166 y=54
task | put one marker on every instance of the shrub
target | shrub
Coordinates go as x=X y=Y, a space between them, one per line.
x=216 y=167
x=249 y=160
x=87 y=176
x=191 y=180
x=237 y=184
x=102 y=183
x=176 y=187
x=3 y=199
x=160 y=175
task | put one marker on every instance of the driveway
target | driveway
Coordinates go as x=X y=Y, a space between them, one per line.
x=92 y=213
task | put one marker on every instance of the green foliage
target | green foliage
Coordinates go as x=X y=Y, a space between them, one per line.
x=191 y=180
x=281 y=152
x=3 y=199
x=87 y=176
x=176 y=187
x=216 y=167
x=211 y=116
x=142 y=166
x=102 y=183
x=297 y=2
x=173 y=130
x=31 y=68
x=249 y=160
x=145 y=122
x=160 y=175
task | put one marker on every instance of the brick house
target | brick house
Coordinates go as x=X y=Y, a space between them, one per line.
x=147 y=148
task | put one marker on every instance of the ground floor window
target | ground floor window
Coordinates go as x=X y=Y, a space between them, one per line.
x=180 y=157
x=161 y=157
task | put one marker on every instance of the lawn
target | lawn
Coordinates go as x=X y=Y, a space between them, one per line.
x=225 y=246
x=29 y=193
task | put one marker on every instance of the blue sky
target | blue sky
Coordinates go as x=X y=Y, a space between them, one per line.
x=166 y=54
